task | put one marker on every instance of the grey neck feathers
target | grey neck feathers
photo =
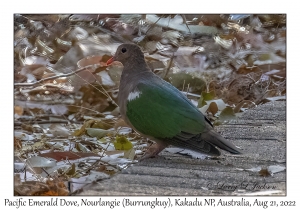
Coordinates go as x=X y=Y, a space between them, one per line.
x=135 y=65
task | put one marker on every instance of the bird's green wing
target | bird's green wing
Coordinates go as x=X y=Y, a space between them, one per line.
x=161 y=111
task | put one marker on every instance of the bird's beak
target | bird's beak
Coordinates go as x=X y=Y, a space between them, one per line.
x=110 y=61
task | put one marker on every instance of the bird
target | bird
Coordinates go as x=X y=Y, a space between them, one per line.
x=159 y=111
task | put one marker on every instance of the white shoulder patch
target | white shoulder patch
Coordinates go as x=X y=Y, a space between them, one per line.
x=134 y=95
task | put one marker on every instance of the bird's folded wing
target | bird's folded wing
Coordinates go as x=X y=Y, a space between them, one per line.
x=163 y=112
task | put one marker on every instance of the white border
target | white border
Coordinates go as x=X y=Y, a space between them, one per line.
x=153 y=6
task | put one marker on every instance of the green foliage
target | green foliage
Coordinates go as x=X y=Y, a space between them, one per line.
x=122 y=143
x=206 y=96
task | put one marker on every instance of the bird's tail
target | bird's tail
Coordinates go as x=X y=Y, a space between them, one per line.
x=216 y=139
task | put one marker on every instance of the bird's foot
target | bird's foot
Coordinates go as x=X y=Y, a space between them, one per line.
x=153 y=151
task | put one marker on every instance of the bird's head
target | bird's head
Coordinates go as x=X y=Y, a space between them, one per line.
x=127 y=54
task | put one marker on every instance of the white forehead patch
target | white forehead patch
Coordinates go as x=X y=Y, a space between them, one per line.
x=134 y=95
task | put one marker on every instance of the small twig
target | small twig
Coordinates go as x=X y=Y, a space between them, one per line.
x=43 y=116
x=191 y=94
x=81 y=107
x=104 y=92
x=41 y=122
x=152 y=25
x=184 y=21
x=94 y=67
x=183 y=85
x=169 y=66
x=48 y=175
x=102 y=155
x=187 y=89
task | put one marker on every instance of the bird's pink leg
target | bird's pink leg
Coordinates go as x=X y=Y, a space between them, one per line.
x=153 y=150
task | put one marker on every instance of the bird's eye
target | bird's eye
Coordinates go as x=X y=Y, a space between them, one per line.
x=123 y=50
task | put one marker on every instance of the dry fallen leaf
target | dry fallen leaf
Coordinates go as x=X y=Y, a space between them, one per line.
x=58 y=130
x=18 y=110
x=36 y=188
x=264 y=172
x=122 y=143
x=67 y=155
x=17 y=143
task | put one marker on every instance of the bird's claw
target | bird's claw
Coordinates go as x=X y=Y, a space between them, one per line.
x=153 y=151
